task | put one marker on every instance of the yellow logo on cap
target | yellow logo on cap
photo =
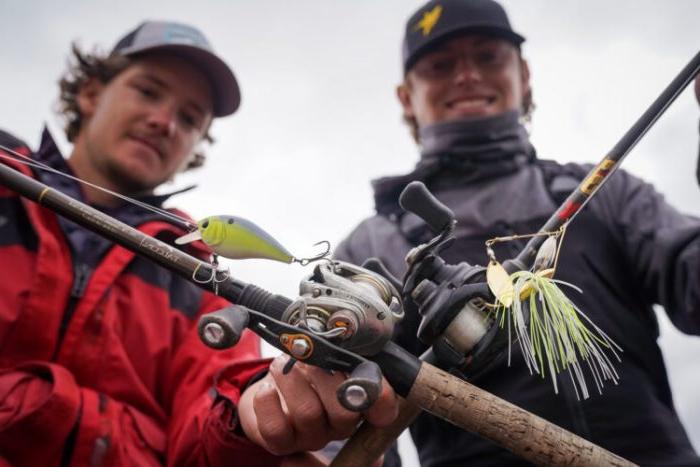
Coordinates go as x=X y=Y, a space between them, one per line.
x=429 y=20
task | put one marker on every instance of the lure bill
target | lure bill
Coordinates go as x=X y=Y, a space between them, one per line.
x=558 y=336
x=238 y=238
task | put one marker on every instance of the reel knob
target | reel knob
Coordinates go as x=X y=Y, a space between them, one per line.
x=416 y=198
x=362 y=388
x=223 y=329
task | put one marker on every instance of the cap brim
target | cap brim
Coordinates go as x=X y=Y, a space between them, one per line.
x=489 y=30
x=226 y=94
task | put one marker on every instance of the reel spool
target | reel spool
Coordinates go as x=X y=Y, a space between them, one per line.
x=352 y=306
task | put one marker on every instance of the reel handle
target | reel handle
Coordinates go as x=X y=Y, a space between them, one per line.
x=223 y=329
x=417 y=199
x=362 y=388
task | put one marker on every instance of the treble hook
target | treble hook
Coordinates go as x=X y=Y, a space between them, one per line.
x=214 y=275
x=320 y=256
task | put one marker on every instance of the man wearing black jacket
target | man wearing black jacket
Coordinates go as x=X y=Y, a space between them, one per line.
x=465 y=93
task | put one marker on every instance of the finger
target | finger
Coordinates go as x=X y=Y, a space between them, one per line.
x=342 y=421
x=385 y=409
x=304 y=408
x=273 y=425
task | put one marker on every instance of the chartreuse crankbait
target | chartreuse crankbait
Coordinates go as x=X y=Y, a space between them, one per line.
x=238 y=238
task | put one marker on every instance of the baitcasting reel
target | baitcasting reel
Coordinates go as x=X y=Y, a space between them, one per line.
x=343 y=312
x=349 y=305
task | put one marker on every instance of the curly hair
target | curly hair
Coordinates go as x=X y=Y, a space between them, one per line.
x=86 y=66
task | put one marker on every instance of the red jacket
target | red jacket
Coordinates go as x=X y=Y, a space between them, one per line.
x=118 y=376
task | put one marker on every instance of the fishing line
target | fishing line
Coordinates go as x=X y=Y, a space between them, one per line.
x=227 y=236
x=21 y=158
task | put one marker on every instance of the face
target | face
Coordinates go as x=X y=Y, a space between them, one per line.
x=140 y=128
x=468 y=76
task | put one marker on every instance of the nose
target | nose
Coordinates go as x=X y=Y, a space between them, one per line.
x=163 y=119
x=467 y=71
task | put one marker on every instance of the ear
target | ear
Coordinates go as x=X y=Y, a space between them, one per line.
x=88 y=96
x=403 y=92
x=524 y=76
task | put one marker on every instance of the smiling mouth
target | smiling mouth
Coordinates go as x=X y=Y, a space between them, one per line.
x=149 y=145
x=471 y=103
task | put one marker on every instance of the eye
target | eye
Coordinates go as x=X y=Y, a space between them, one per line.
x=231 y=221
x=189 y=120
x=491 y=56
x=205 y=224
x=437 y=65
x=149 y=92
x=486 y=56
x=442 y=65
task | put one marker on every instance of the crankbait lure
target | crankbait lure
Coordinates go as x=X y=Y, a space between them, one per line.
x=238 y=238
x=552 y=332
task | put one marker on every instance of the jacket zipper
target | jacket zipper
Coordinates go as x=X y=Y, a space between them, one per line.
x=81 y=276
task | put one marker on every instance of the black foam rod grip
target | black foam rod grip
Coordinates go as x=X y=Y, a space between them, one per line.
x=416 y=198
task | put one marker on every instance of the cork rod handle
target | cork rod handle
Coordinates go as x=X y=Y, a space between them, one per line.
x=477 y=411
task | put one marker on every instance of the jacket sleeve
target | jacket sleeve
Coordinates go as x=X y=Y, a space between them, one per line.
x=206 y=385
x=39 y=406
x=47 y=418
x=661 y=244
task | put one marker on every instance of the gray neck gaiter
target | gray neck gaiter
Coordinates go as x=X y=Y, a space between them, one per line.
x=462 y=152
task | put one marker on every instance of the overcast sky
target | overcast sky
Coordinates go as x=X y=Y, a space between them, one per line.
x=319 y=118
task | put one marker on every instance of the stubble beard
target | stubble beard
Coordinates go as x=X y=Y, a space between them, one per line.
x=125 y=181
x=117 y=174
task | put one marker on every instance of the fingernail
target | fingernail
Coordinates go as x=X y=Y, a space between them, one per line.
x=279 y=361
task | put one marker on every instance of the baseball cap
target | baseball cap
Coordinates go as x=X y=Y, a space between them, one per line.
x=439 y=20
x=190 y=44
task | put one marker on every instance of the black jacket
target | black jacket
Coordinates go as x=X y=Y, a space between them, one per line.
x=628 y=250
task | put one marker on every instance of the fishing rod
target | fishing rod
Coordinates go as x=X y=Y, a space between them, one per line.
x=364 y=351
x=601 y=173
x=460 y=334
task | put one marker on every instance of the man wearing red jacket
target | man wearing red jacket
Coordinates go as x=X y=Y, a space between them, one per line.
x=100 y=363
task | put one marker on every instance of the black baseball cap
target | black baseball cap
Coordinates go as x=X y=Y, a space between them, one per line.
x=190 y=44
x=439 y=20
